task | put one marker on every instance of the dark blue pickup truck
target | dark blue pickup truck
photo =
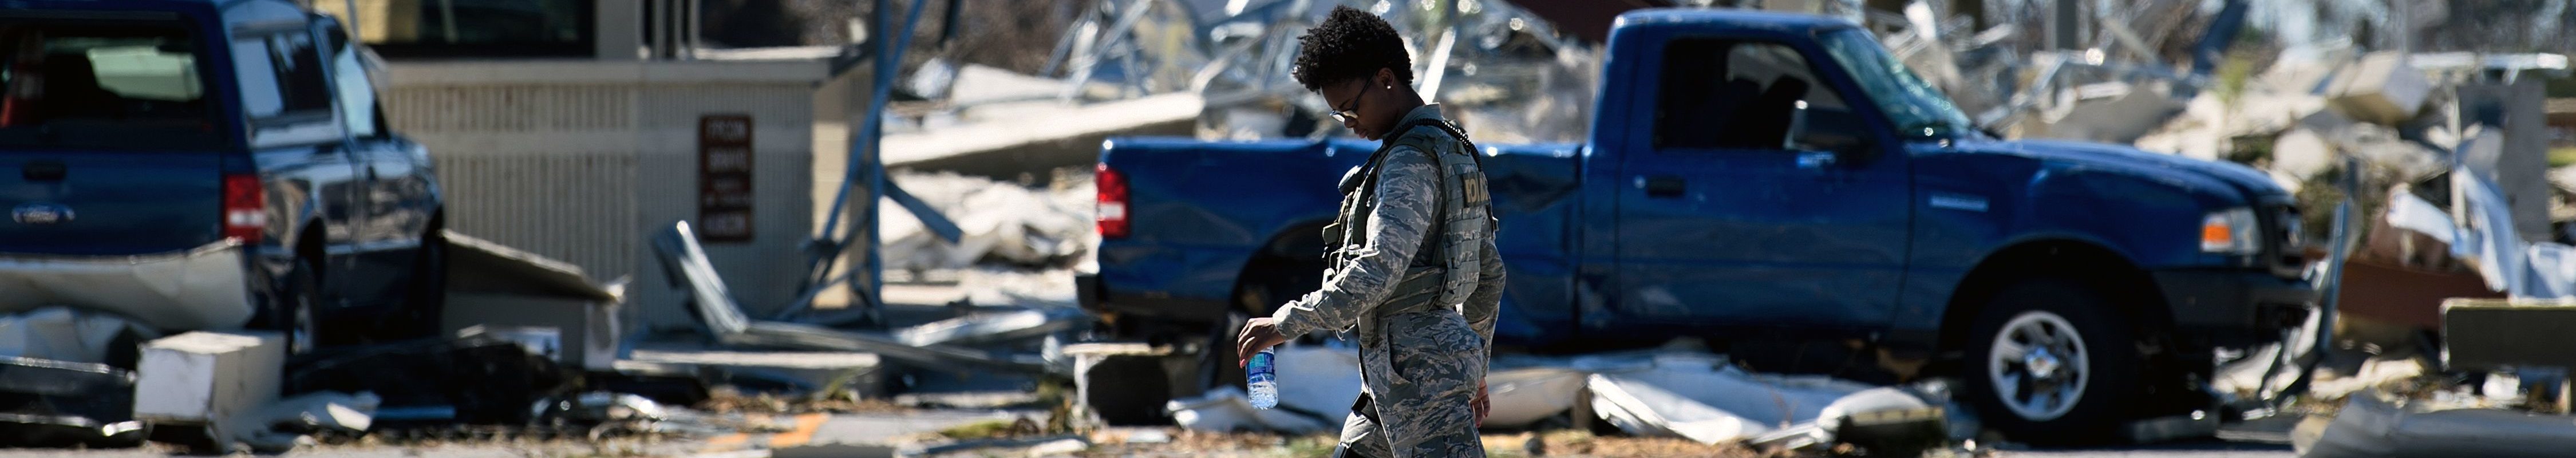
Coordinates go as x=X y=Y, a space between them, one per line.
x=1754 y=179
x=209 y=164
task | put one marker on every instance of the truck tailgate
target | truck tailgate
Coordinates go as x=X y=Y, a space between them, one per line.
x=110 y=202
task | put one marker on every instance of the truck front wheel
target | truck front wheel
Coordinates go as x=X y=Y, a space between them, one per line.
x=2049 y=362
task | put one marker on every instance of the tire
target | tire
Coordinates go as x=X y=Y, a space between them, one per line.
x=294 y=314
x=425 y=299
x=2050 y=361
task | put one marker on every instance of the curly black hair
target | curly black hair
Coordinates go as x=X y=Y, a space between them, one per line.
x=1351 y=44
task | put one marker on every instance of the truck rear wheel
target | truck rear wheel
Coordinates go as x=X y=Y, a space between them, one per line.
x=296 y=315
x=2049 y=362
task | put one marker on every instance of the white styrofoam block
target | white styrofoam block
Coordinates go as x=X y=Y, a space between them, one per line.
x=204 y=376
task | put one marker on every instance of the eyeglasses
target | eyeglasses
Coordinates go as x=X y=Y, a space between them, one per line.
x=1345 y=114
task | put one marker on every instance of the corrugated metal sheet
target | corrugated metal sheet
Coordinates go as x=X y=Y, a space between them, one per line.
x=586 y=172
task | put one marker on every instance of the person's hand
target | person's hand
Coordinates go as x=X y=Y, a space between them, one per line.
x=1484 y=404
x=1258 y=333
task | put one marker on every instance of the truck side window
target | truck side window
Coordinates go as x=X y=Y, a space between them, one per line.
x=283 y=89
x=358 y=111
x=1730 y=94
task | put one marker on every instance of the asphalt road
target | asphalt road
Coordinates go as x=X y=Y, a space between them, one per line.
x=2269 y=438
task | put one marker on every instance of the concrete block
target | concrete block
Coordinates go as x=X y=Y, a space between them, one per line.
x=205 y=377
x=588 y=329
x=2382 y=88
x=1121 y=383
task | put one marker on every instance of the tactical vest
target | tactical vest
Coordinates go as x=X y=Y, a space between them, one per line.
x=1443 y=271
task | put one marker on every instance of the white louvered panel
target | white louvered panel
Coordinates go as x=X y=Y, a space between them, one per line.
x=576 y=207
x=513 y=108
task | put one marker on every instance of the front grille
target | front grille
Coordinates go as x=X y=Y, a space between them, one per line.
x=2285 y=241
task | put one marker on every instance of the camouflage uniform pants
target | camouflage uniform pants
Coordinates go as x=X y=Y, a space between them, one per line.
x=1425 y=411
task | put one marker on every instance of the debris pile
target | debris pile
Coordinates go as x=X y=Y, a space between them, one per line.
x=1004 y=224
x=1656 y=393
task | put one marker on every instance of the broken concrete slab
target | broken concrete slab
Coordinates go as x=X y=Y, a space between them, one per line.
x=2371 y=425
x=2381 y=88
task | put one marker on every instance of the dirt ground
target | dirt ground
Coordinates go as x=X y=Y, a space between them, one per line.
x=1186 y=444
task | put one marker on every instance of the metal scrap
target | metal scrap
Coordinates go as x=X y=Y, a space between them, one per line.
x=723 y=322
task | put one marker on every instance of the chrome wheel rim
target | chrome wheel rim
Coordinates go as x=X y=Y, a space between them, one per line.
x=2039 y=365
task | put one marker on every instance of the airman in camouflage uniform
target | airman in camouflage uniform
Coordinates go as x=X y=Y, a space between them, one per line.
x=1412 y=272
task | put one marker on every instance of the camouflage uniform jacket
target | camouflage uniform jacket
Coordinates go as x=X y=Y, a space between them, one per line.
x=1413 y=274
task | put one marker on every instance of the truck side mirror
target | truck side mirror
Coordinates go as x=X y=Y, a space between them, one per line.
x=1839 y=138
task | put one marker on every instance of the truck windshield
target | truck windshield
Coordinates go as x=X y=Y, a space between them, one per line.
x=1914 y=106
x=116 y=85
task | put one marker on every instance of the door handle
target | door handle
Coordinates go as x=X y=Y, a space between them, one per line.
x=1662 y=185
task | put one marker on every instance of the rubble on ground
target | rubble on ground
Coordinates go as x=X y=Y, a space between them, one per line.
x=1663 y=393
x=1003 y=223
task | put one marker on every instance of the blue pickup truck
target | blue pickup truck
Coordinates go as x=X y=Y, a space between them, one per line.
x=1765 y=182
x=210 y=164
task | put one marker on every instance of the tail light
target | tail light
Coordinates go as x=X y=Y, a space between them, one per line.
x=1113 y=203
x=245 y=208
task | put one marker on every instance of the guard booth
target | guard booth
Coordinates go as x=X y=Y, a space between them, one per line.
x=577 y=129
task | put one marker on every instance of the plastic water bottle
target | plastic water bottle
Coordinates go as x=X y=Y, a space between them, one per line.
x=1261 y=379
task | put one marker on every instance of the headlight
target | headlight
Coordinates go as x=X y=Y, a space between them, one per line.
x=2230 y=231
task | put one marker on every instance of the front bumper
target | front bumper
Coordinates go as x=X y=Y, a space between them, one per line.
x=207 y=287
x=2234 y=308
